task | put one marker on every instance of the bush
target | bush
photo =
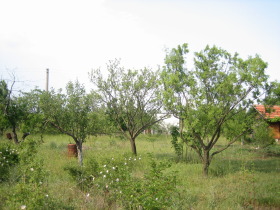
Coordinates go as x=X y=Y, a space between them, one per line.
x=115 y=179
x=272 y=150
x=29 y=188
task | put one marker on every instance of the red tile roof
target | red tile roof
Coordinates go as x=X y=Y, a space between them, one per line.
x=268 y=111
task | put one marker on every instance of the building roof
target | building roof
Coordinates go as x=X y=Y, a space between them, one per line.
x=267 y=111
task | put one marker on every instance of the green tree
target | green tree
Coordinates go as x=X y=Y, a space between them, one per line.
x=100 y=122
x=69 y=113
x=35 y=121
x=4 y=92
x=212 y=99
x=272 y=94
x=131 y=97
x=13 y=109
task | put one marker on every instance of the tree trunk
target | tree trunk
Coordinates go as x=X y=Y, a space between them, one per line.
x=15 y=138
x=79 y=145
x=206 y=162
x=133 y=146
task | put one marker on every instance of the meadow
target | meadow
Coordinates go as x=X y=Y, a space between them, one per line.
x=241 y=177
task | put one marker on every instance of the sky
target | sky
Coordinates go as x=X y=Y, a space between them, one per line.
x=72 y=37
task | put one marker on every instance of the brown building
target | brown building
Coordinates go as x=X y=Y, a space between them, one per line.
x=272 y=114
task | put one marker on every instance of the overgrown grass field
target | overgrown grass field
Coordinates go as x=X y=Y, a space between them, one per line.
x=241 y=177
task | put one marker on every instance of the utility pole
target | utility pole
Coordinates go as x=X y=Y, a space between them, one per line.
x=47 y=80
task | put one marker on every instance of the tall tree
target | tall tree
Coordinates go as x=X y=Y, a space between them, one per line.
x=69 y=113
x=272 y=94
x=131 y=97
x=212 y=99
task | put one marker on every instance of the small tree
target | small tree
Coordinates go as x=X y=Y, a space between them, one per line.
x=69 y=113
x=34 y=122
x=132 y=99
x=4 y=92
x=12 y=109
x=212 y=99
x=272 y=94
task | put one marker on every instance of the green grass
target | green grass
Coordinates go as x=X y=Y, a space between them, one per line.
x=239 y=178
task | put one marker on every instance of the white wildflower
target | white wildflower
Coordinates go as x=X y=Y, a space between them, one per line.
x=117 y=180
x=23 y=207
x=125 y=164
x=101 y=172
x=107 y=171
x=88 y=195
x=113 y=168
x=31 y=169
x=47 y=195
x=104 y=176
x=104 y=166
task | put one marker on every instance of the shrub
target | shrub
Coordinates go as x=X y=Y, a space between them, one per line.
x=29 y=188
x=116 y=181
x=9 y=157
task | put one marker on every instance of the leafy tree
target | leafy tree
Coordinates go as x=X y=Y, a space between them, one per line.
x=262 y=134
x=100 y=121
x=69 y=113
x=4 y=92
x=12 y=109
x=212 y=99
x=35 y=120
x=131 y=97
x=16 y=114
x=273 y=94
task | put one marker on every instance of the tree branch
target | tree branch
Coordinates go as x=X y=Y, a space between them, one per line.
x=230 y=143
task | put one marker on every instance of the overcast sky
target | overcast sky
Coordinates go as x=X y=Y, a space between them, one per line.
x=73 y=37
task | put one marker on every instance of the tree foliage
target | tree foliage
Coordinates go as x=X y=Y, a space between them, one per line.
x=272 y=94
x=212 y=99
x=132 y=98
x=13 y=110
x=4 y=92
x=69 y=113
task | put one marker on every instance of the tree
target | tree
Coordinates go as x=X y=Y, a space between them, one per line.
x=69 y=113
x=212 y=99
x=34 y=122
x=131 y=97
x=272 y=94
x=4 y=92
x=13 y=109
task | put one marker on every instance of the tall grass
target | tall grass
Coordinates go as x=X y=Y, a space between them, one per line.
x=239 y=178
